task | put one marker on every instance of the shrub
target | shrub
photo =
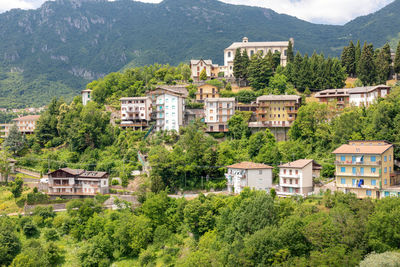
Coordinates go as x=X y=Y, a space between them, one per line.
x=115 y=182
x=50 y=234
x=30 y=229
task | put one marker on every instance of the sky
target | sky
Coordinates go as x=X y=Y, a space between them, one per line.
x=317 y=11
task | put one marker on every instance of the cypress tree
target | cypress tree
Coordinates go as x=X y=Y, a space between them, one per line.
x=297 y=64
x=367 y=68
x=237 y=64
x=357 y=56
x=383 y=63
x=245 y=64
x=397 y=59
x=290 y=53
x=344 y=57
x=351 y=57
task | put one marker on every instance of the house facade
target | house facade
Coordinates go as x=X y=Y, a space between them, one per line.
x=296 y=178
x=248 y=174
x=197 y=65
x=218 y=111
x=168 y=107
x=359 y=96
x=86 y=96
x=135 y=112
x=77 y=182
x=364 y=168
x=25 y=124
x=253 y=48
x=276 y=110
x=206 y=91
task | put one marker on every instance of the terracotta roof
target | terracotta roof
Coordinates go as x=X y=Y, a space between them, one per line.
x=70 y=171
x=362 y=149
x=298 y=164
x=249 y=165
x=28 y=118
x=278 y=98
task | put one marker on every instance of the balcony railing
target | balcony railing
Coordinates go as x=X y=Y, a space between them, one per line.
x=293 y=111
x=358 y=174
x=373 y=163
x=289 y=104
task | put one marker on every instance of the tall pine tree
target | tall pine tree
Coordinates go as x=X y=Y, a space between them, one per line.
x=238 y=64
x=383 y=63
x=397 y=60
x=351 y=54
x=290 y=53
x=357 y=56
x=366 y=67
x=245 y=64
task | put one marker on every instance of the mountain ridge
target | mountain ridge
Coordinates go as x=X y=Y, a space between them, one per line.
x=75 y=41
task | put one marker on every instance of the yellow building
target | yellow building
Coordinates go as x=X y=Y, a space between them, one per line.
x=206 y=91
x=365 y=168
x=277 y=110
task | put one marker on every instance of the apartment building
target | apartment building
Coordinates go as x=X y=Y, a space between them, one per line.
x=256 y=176
x=276 y=110
x=197 y=65
x=77 y=182
x=206 y=91
x=359 y=96
x=364 y=168
x=136 y=112
x=253 y=48
x=218 y=111
x=86 y=96
x=296 y=178
x=25 y=124
x=168 y=107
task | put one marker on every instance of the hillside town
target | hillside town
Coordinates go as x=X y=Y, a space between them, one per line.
x=272 y=159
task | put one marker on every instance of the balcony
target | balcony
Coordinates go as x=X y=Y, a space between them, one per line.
x=370 y=163
x=290 y=104
x=358 y=174
x=263 y=111
x=263 y=105
x=287 y=175
x=292 y=111
x=291 y=119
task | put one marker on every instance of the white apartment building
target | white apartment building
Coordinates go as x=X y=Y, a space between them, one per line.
x=256 y=176
x=253 y=48
x=169 y=107
x=135 y=112
x=86 y=96
x=296 y=178
x=365 y=96
x=25 y=124
x=218 y=111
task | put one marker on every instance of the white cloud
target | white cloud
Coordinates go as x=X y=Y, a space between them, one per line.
x=318 y=11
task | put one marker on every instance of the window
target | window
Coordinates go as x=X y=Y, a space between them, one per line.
x=251 y=52
x=373 y=170
x=385 y=170
x=354 y=182
x=387 y=193
x=342 y=158
x=390 y=158
x=343 y=169
x=373 y=158
x=297 y=172
x=373 y=182
x=229 y=54
x=362 y=170
x=385 y=158
x=284 y=171
x=353 y=170
x=297 y=181
x=385 y=181
x=390 y=169
x=290 y=172
x=284 y=181
x=260 y=172
x=343 y=181
x=368 y=193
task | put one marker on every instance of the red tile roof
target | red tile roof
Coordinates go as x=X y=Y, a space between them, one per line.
x=249 y=165
x=28 y=118
x=362 y=149
x=298 y=164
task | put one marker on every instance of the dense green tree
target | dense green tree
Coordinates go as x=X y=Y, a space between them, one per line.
x=17 y=187
x=238 y=66
x=383 y=63
x=397 y=59
x=357 y=55
x=203 y=75
x=10 y=244
x=260 y=71
x=348 y=59
x=238 y=126
x=14 y=142
x=367 y=67
x=5 y=164
x=290 y=53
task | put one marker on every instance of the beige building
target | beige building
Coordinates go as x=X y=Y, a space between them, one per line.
x=218 y=111
x=253 y=48
x=25 y=124
x=168 y=107
x=135 y=112
x=206 y=91
x=77 y=182
x=365 y=168
x=296 y=178
x=197 y=65
x=276 y=110
x=256 y=176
